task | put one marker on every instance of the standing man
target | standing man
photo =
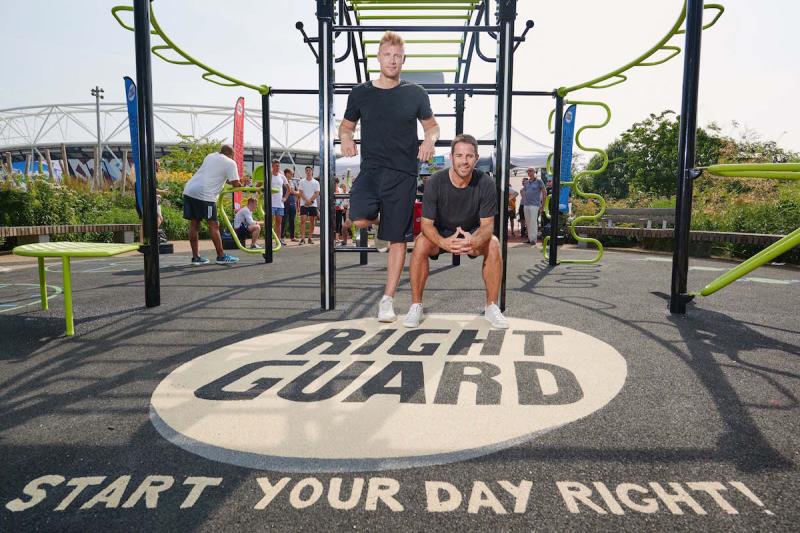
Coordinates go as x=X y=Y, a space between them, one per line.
x=278 y=183
x=458 y=210
x=389 y=109
x=512 y=207
x=309 y=192
x=200 y=201
x=290 y=205
x=533 y=204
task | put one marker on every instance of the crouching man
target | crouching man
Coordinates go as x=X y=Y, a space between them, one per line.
x=458 y=210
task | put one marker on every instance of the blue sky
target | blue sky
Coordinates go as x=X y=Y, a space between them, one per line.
x=56 y=51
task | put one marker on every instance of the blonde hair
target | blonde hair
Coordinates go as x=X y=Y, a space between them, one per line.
x=391 y=38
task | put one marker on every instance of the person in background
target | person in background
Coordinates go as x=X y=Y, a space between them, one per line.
x=533 y=204
x=512 y=207
x=290 y=205
x=523 y=229
x=278 y=182
x=309 y=192
x=162 y=235
x=200 y=201
x=245 y=225
x=338 y=203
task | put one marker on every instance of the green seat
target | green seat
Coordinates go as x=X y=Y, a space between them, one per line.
x=67 y=250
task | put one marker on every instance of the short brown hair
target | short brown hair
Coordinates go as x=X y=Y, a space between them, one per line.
x=464 y=138
x=391 y=38
x=226 y=150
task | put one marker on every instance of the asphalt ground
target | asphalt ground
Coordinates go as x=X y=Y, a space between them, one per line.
x=708 y=412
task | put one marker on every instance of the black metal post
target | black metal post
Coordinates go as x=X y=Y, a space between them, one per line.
x=144 y=88
x=686 y=157
x=460 y=106
x=267 y=157
x=325 y=17
x=555 y=193
x=460 y=101
x=363 y=242
x=506 y=15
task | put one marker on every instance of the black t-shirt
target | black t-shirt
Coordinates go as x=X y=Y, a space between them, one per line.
x=450 y=207
x=389 y=124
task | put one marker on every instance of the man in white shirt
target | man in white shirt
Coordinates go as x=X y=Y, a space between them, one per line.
x=245 y=225
x=309 y=192
x=200 y=201
x=279 y=183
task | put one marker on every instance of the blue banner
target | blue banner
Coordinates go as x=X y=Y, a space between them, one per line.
x=133 y=122
x=566 y=156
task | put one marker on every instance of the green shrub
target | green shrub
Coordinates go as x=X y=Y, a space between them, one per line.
x=175 y=226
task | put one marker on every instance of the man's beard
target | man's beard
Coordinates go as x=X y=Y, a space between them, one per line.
x=463 y=172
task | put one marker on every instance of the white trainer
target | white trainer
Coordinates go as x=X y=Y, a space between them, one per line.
x=386 y=310
x=495 y=317
x=414 y=316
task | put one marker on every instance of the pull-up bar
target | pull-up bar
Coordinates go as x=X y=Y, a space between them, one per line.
x=416 y=29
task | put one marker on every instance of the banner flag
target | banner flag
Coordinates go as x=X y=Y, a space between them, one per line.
x=238 y=146
x=133 y=123
x=566 y=156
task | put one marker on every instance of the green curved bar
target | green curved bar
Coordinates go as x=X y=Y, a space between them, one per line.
x=156 y=50
x=764 y=256
x=720 y=10
x=754 y=170
x=675 y=51
x=620 y=78
x=576 y=184
x=641 y=61
x=230 y=81
x=787 y=171
x=226 y=220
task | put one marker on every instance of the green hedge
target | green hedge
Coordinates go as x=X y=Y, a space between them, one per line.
x=50 y=204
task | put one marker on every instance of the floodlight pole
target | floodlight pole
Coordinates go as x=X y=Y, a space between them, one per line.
x=144 y=88
x=97 y=92
x=506 y=15
x=326 y=20
x=686 y=157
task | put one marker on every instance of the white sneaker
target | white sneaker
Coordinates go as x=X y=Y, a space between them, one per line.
x=414 y=316
x=386 y=310
x=495 y=317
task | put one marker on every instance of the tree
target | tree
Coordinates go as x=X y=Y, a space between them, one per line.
x=645 y=157
x=189 y=154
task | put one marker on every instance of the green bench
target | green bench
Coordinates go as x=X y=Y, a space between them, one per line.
x=66 y=251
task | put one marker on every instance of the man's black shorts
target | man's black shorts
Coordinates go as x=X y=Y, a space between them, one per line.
x=194 y=209
x=242 y=231
x=390 y=193
x=309 y=211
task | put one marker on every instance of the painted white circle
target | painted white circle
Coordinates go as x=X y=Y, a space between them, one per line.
x=359 y=395
x=131 y=92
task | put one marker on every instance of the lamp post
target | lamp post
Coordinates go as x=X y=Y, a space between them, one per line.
x=97 y=92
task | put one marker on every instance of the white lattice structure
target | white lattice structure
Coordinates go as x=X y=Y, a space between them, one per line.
x=31 y=130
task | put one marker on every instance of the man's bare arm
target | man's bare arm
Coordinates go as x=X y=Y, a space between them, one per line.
x=432 y=234
x=347 y=131
x=428 y=146
x=481 y=235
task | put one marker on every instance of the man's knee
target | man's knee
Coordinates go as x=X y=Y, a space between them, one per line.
x=362 y=223
x=423 y=248
x=491 y=249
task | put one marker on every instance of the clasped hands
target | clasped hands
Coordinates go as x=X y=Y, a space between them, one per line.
x=459 y=243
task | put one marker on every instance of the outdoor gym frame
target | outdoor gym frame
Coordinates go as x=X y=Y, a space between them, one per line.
x=503 y=33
